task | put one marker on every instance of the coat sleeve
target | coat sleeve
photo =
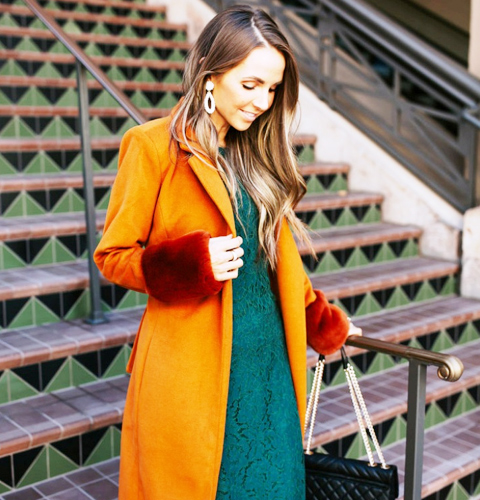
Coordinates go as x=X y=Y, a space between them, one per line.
x=175 y=269
x=327 y=324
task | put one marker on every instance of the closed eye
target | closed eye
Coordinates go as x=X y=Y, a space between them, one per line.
x=247 y=87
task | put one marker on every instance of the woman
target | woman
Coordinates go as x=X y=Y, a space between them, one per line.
x=200 y=218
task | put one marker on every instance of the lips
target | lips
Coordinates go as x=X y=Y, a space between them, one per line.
x=249 y=116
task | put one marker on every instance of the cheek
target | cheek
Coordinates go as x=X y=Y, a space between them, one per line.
x=271 y=98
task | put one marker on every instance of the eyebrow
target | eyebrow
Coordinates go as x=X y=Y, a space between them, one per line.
x=259 y=80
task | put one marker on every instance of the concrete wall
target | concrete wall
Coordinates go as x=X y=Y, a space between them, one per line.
x=474 y=49
x=407 y=199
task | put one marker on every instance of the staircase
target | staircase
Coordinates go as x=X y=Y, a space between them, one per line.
x=63 y=382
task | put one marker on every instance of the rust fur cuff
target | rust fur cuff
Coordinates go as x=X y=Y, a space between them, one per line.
x=180 y=269
x=327 y=325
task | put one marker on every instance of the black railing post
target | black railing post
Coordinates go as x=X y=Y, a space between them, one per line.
x=417 y=384
x=96 y=315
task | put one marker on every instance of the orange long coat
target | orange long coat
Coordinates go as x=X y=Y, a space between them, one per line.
x=173 y=426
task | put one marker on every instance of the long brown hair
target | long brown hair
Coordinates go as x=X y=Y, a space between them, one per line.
x=262 y=156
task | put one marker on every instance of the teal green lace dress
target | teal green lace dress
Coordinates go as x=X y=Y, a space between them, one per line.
x=262 y=455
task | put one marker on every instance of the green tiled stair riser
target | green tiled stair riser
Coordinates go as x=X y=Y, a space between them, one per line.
x=317 y=184
x=23 y=203
x=99 y=28
x=53 y=459
x=43 y=309
x=341 y=217
x=465 y=489
x=53 y=250
x=51 y=162
x=401 y=295
x=349 y=258
x=50 y=376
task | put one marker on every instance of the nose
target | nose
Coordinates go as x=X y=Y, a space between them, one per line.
x=262 y=100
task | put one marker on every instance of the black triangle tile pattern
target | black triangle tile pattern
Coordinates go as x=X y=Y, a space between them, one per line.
x=40 y=375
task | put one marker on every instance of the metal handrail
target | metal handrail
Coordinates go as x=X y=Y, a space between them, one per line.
x=450 y=368
x=428 y=59
x=84 y=64
x=416 y=103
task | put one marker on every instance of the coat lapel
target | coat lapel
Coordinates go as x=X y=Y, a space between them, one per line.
x=214 y=186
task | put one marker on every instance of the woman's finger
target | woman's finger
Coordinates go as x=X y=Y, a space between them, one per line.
x=224 y=243
x=227 y=266
x=228 y=275
x=354 y=330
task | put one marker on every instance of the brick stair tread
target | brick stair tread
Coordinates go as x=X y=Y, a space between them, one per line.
x=96 y=38
x=30 y=81
x=351 y=282
x=58 y=415
x=385 y=394
x=322 y=168
x=313 y=202
x=96 y=482
x=37 y=344
x=359 y=235
x=54 y=278
x=73 y=143
x=91 y=17
x=413 y=320
x=42 y=280
x=70 y=111
x=451 y=452
x=49 y=144
x=20 y=55
x=40 y=226
x=62 y=180
x=121 y=4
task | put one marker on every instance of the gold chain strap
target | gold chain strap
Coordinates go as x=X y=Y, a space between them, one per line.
x=359 y=406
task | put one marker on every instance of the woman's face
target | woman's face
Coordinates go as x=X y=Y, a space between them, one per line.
x=246 y=91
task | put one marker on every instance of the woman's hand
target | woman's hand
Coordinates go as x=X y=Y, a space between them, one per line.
x=354 y=330
x=225 y=253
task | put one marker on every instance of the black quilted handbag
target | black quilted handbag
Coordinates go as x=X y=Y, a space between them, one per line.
x=332 y=478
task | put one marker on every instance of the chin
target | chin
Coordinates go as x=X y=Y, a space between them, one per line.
x=241 y=127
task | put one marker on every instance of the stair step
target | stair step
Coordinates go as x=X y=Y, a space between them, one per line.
x=37 y=182
x=42 y=280
x=70 y=111
x=411 y=321
x=37 y=344
x=93 y=18
x=19 y=55
x=452 y=451
x=351 y=282
x=50 y=417
x=319 y=168
x=96 y=38
x=313 y=202
x=31 y=81
x=40 y=144
x=40 y=226
x=360 y=235
x=97 y=482
x=385 y=394
x=70 y=144
x=121 y=4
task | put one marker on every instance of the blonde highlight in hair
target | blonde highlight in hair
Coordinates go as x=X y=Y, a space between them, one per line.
x=262 y=157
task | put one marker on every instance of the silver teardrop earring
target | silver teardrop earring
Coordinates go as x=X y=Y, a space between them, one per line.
x=209 y=102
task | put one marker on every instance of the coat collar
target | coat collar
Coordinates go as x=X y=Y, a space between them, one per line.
x=210 y=179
